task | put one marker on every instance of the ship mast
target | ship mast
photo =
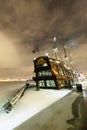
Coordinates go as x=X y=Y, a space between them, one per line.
x=56 y=50
x=67 y=56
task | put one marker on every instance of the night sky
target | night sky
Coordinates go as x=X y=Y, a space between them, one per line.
x=27 y=24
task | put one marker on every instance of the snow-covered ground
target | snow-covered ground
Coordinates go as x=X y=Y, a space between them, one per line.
x=55 y=117
x=30 y=104
x=84 y=84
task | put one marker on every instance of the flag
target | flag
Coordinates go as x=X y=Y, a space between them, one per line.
x=36 y=49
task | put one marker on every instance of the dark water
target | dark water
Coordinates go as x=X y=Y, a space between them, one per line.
x=79 y=111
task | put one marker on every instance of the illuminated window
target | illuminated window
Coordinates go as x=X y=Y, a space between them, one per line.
x=44 y=73
x=50 y=83
x=41 y=83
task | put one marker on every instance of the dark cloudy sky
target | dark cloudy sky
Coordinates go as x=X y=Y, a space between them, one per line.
x=26 y=24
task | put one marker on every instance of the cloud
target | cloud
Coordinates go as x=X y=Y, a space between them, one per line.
x=36 y=22
x=8 y=52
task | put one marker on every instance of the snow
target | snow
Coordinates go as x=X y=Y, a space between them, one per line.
x=30 y=104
